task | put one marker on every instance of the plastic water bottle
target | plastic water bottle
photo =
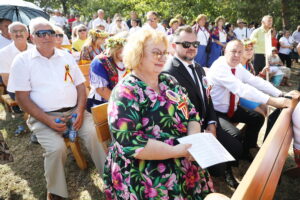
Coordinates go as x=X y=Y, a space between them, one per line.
x=72 y=131
x=66 y=133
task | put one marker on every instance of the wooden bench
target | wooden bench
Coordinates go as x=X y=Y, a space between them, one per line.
x=75 y=148
x=261 y=178
x=100 y=119
x=8 y=102
x=85 y=69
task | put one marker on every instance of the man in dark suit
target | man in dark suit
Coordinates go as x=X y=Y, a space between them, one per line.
x=191 y=75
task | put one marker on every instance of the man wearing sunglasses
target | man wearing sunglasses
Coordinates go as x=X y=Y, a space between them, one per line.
x=191 y=75
x=50 y=86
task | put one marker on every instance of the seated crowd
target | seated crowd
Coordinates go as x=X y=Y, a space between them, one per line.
x=213 y=79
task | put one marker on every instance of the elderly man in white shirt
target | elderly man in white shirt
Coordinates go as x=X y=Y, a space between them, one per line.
x=100 y=20
x=152 y=22
x=241 y=32
x=231 y=81
x=19 y=34
x=51 y=86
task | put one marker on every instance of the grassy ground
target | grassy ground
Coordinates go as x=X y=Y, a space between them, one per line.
x=24 y=178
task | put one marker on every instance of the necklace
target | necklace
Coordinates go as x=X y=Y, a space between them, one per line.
x=120 y=68
x=153 y=85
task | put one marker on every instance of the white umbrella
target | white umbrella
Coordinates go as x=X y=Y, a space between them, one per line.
x=19 y=10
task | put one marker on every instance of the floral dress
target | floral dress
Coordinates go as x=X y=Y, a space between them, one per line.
x=137 y=113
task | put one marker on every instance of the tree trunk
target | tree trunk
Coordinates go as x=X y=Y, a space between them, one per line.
x=64 y=6
x=284 y=14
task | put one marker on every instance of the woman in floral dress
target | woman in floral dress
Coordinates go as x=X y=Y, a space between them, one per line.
x=148 y=111
x=105 y=71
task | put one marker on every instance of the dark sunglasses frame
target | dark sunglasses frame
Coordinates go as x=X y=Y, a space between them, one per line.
x=43 y=33
x=186 y=44
x=59 y=35
x=82 y=30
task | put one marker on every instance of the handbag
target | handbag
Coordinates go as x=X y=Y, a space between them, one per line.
x=208 y=46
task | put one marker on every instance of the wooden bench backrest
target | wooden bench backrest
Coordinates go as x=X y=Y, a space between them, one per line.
x=261 y=179
x=100 y=119
x=85 y=69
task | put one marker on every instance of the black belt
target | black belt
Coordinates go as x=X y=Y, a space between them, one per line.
x=63 y=109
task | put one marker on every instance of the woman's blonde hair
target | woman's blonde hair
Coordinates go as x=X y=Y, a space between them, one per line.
x=115 y=43
x=218 y=19
x=200 y=17
x=134 y=48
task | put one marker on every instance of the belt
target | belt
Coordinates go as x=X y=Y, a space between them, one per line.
x=63 y=109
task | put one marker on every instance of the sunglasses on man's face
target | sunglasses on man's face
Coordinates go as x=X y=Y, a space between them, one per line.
x=43 y=33
x=188 y=44
x=59 y=35
x=82 y=30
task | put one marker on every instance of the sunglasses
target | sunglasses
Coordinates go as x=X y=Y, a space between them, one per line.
x=59 y=35
x=186 y=45
x=82 y=30
x=43 y=33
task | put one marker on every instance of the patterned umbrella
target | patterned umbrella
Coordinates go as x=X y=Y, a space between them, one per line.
x=19 y=10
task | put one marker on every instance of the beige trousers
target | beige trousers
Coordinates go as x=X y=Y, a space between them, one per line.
x=55 y=150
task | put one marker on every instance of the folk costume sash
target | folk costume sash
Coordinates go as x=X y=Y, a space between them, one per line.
x=111 y=68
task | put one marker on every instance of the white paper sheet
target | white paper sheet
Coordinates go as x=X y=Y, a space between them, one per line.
x=206 y=149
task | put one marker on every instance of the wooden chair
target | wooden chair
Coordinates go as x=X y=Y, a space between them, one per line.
x=85 y=69
x=261 y=178
x=68 y=46
x=8 y=102
x=75 y=148
x=101 y=125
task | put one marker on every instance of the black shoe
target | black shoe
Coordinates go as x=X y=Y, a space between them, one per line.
x=33 y=139
x=247 y=156
x=229 y=179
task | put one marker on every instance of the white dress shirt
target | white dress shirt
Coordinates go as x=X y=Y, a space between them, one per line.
x=4 y=41
x=45 y=78
x=296 y=126
x=186 y=65
x=202 y=36
x=242 y=33
x=286 y=42
x=98 y=21
x=242 y=84
x=158 y=28
x=134 y=29
x=7 y=55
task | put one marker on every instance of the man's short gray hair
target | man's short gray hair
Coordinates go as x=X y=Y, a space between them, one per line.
x=186 y=28
x=39 y=21
x=100 y=11
x=12 y=25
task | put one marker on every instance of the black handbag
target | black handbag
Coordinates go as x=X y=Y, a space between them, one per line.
x=208 y=46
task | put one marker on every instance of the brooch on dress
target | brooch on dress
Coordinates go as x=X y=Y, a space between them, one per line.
x=67 y=73
x=207 y=87
x=182 y=102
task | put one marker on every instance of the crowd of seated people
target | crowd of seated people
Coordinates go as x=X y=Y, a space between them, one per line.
x=131 y=70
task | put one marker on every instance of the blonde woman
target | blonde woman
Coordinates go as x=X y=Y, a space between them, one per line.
x=93 y=45
x=145 y=160
x=81 y=32
x=106 y=70
x=219 y=37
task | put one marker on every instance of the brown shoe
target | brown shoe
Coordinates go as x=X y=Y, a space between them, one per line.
x=51 y=196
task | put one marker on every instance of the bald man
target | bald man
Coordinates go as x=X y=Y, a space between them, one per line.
x=231 y=81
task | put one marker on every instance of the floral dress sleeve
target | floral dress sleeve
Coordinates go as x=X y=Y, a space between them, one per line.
x=124 y=118
x=85 y=53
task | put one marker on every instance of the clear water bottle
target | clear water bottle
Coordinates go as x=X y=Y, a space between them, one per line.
x=66 y=133
x=72 y=131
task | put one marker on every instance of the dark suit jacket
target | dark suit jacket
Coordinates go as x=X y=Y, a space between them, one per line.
x=178 y=70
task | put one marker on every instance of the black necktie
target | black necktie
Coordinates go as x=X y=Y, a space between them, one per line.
x=197 y=85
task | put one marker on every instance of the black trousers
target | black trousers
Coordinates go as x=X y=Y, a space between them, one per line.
x=232 y=145
x=259 y=62
x=286 y=59
x=253 y=120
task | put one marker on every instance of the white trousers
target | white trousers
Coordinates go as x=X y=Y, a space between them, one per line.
x=56 y=151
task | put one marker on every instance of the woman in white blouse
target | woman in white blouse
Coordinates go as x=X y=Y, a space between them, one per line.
x=286 y=46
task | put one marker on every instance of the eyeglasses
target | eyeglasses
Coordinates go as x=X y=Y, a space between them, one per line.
x=59 y=35
x=43 y=33
x=159 y=54
x=18 y=31
x=152 y=20
x=82 y=30
x=187 y=45
x=119 y=20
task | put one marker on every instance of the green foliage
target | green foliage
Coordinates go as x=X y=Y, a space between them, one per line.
x=249 y=10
